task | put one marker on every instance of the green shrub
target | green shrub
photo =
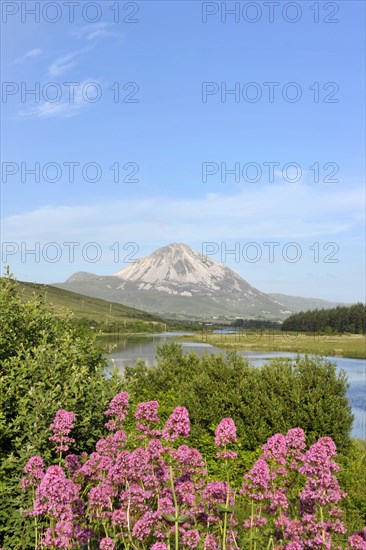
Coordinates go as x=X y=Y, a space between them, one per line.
x=306 y=392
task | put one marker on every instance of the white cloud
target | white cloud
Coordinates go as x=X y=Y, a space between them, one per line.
x=35 y=52
x=274 y=212
x=64 y=63
x=94 y=31
x=68 y=106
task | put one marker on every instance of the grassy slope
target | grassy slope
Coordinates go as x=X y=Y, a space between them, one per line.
x=83 y=306
x=345 y=345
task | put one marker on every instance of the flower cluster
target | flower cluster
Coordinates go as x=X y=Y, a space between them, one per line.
x=177 y=425
x=117 y=409
x=133 y=494
x=313 y=518
x=34 y=472
x=146 y=416
x=61 y=427
x=224 y=435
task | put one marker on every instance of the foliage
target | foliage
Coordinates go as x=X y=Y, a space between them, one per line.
x=45 y=364
x=339 y=320
x=149 y=489
x=353 y=479
x=306 y=392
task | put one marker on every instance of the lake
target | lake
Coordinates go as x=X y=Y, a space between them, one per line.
x=129 y=351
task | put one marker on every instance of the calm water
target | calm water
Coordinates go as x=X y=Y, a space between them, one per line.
x=128 y=352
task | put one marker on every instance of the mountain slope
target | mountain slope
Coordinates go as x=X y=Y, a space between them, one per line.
x=82 y=306
x=177 y=281
x=297 y=303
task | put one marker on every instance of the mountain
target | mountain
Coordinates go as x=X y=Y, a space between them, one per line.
x=297 y=303
x=177 y=281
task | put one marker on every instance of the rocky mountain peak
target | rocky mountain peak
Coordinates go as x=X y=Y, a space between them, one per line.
x=176 y=264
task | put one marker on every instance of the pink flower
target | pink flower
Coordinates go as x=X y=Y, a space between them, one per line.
x=159 y=546
x=190 y=460
x=61 y=538
x=155 y=449
x=72 y=463
x=216 y=493
x=255 y=521
x=230 y=455
x=185 y=490
x=210 y=543
x=142 y=528
x=293 y=528
x=225 y=432
x=166 y=506
x=276 y=449
x=112 y=444
x=100 y=502
x=357 y=541
x=146 y=413
x=119 y=518
x=321 y=484
x=257 y=481
x=34 y=470
x=191 y=538
x=295 y=443
x=295 y=439
x=56 y=495
x=118 y=408
x=106 y=544
x=178 y=424
x=61 y=426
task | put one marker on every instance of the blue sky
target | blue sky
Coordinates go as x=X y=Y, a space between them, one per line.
x=168 y=128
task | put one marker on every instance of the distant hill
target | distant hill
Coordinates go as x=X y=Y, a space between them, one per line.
x=84 y=307
x=297 y=303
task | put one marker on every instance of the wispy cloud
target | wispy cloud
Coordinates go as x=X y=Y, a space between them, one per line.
x=62 y=64
x=95 y=31
x=64 y=108
x=276 y=212
x=35 y=52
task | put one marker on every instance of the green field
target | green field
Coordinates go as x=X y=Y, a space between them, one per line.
x=344 y=345
x=91 y=309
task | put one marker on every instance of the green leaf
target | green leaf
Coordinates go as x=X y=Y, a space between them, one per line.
x=224 y=508
x=169 y=517
x=182 y=518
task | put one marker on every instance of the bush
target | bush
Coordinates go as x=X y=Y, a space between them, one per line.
x=353 y=479
x=306 y=392
x=45 y=364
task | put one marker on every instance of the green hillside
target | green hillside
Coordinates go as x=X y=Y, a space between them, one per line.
x=91 y=309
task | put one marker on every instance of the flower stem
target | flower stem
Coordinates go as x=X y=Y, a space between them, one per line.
x=322 y=521
x=176 y=509
x=227 y=504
